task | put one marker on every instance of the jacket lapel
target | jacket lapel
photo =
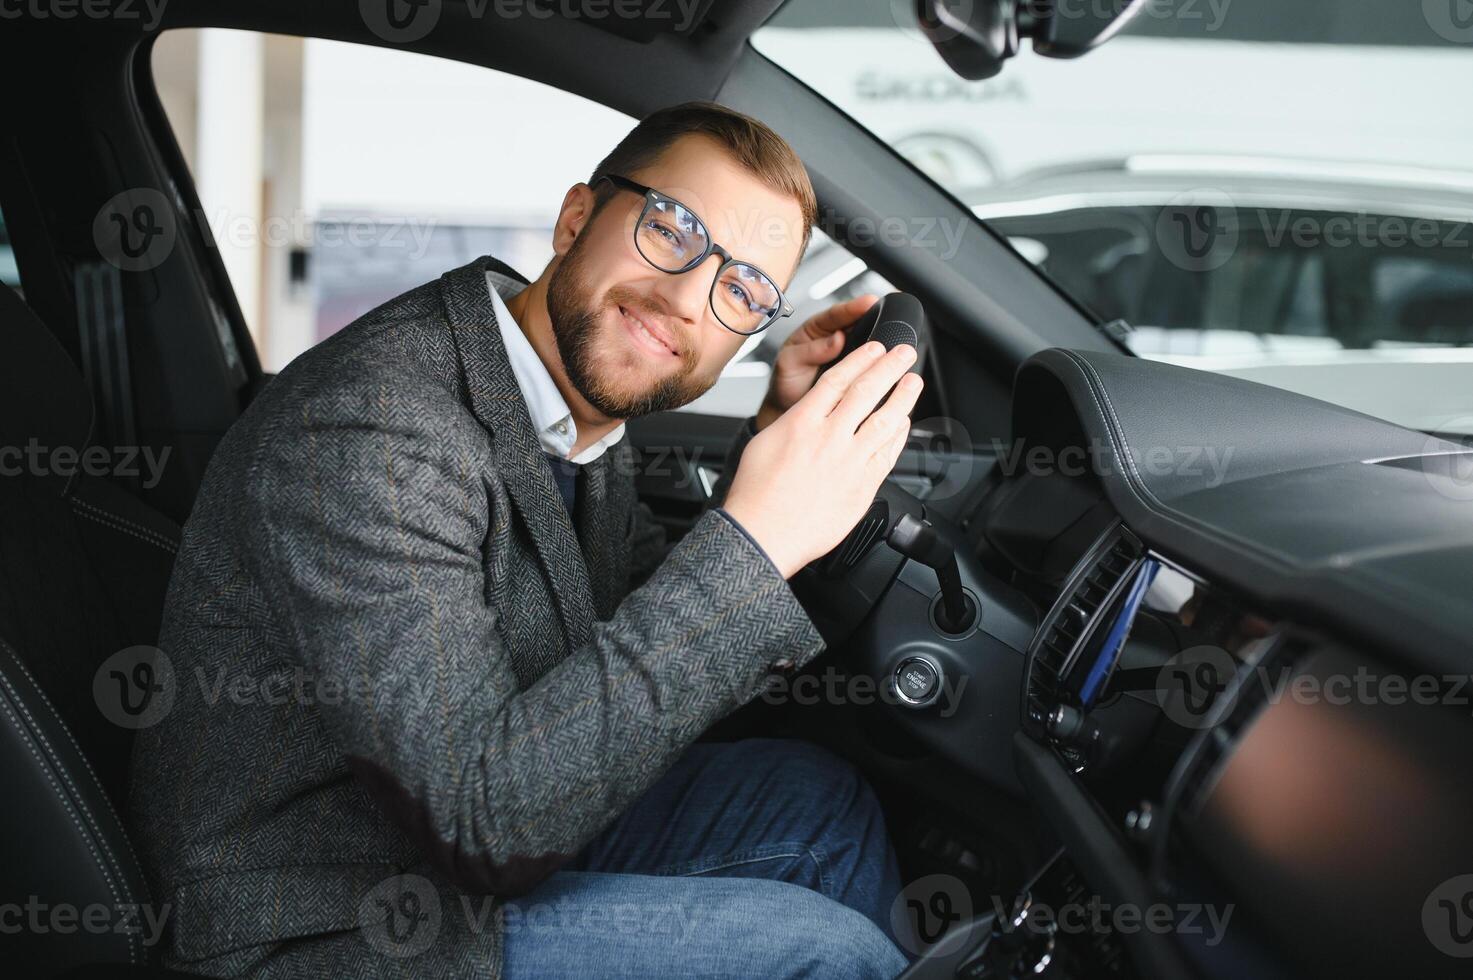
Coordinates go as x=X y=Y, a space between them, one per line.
x=497 y=402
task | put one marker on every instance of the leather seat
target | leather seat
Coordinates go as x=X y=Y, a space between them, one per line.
x=84 y=566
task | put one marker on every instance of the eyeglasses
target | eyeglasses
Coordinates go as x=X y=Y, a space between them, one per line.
x=672 y=239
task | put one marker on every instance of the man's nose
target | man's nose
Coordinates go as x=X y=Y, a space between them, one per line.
x=687 y=295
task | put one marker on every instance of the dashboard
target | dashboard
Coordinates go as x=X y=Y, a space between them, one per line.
x=1225 y=654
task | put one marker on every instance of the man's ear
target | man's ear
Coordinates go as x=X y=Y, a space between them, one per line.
x=578 y=207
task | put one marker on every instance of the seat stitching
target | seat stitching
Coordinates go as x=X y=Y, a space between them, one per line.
x=126 y=526
x=106 y=800
x=30 y=744
x=1117 y=434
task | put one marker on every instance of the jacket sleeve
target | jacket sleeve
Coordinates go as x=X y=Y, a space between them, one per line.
x=647 y=542
x=368 y=519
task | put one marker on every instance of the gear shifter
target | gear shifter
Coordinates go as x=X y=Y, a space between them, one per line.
x=918 y=541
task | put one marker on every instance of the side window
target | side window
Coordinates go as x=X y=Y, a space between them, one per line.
x=335 y=176
x=9 y=274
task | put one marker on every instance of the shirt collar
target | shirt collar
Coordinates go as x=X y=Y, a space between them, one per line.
x=549 y=411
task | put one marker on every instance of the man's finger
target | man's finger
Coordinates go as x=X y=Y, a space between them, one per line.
x=892 y=420
x=866 y=392
x=822 y=397
x=810 y=354
x=838 y=317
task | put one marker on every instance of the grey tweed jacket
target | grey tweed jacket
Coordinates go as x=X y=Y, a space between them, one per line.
x=404 y=679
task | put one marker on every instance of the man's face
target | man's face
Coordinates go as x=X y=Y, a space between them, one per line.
x=635 y=340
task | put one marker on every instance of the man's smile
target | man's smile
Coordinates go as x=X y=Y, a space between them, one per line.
x=651 y=335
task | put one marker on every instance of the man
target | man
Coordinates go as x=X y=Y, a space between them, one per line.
x=423 y=727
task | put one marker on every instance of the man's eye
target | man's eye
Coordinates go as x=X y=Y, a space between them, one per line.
x=670 y=235
x=738 y=293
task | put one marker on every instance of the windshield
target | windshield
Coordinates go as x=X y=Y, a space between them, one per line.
x=1282 y=192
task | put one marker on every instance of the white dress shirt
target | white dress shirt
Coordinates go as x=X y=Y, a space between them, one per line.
x=551 y=418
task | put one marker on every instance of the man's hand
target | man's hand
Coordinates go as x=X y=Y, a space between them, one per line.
x=806 y=480
x=809 y=347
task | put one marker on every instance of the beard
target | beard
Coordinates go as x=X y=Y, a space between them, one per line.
x=597 y=366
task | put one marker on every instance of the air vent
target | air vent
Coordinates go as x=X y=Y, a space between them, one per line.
x=1090 y=590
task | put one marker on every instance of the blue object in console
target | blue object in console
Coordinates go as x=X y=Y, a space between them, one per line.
x=1119 y=630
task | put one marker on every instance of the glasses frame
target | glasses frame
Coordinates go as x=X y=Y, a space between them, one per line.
x=653 y=198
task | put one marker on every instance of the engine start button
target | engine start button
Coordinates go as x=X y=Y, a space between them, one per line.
x=916 y=680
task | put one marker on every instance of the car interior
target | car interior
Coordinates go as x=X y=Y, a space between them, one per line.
x=1077 y=672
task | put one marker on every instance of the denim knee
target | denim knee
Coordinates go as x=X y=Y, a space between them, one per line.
x=816 y=938
x=806 y=779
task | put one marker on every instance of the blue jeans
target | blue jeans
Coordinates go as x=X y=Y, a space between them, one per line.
x=762 y=858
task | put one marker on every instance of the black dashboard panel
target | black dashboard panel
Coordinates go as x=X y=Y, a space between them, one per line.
x=1312 y=511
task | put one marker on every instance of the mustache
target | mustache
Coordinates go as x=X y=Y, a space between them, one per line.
x=639 y=303
x=654 y=307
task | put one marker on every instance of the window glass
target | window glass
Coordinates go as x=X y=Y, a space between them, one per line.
x=9 y=274
x=1282 y=191
x=335 y=176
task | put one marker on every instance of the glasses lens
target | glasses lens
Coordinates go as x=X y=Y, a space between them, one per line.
x=744 y=299
x=669 y=237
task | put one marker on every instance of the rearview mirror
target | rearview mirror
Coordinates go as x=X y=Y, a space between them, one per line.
x=975 y=37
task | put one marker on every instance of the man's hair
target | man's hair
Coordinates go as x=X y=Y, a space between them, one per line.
x=751 y=143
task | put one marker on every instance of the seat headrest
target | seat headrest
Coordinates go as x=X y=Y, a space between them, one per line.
x=42 y=394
